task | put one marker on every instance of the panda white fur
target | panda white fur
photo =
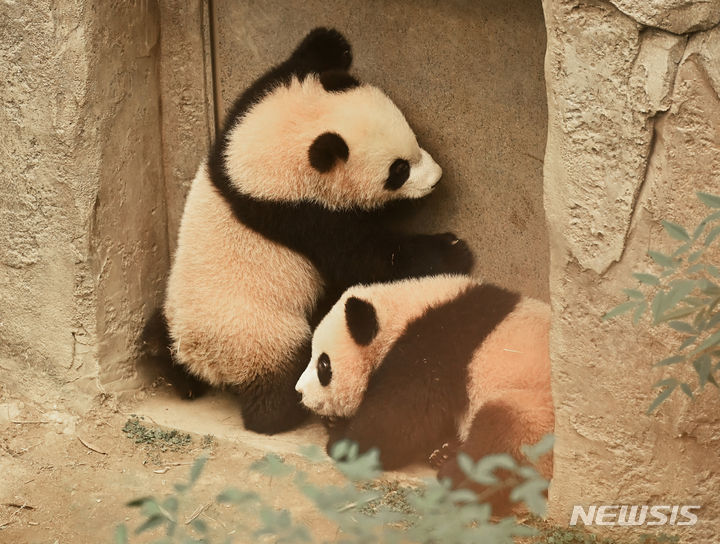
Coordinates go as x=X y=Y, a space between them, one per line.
x=410 y=365
x=284 y=216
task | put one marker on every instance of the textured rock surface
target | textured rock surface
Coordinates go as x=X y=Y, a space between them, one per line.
x=83 y=247
x=468 y=75
x=634 y=131
x=186 y=88
x=677 y=16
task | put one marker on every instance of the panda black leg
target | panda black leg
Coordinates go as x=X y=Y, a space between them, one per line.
x=271 y=404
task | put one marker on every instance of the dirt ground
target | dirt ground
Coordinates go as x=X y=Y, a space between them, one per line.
x=68 y=470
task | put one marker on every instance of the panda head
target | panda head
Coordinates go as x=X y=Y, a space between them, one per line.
x=346 y=346
x=329 y=140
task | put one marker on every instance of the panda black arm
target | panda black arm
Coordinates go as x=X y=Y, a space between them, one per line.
x=350 y=246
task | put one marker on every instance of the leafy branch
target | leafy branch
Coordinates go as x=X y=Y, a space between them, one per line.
x=683 y=294
x=433 y=513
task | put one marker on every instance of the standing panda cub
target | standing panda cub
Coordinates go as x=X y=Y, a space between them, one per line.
x=414 y=364
x=284 y=216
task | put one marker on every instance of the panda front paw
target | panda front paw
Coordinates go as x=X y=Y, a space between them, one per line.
x=322 y=49
x=444 y=253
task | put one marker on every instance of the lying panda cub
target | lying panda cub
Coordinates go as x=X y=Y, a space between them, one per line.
x=417 y=363
x=284 y=217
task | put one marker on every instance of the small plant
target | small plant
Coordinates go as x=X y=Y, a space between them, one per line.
x=683 y=295
x=164 y=440
x=361 y=509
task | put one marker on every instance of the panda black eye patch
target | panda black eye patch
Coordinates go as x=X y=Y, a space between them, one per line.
x=324 y=370
x=398 y=174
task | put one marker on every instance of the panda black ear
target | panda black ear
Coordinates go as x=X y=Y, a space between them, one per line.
x=326 y=150
x=361 y=320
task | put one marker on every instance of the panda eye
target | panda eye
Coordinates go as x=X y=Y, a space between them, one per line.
x=398 y=174
x=324 y=371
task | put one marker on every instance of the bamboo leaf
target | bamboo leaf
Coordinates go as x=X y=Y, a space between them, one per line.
x=699 y=229
x=708 y=287
x=714 y=233
x=639 y=312
x=702 y=367
x=686 y=389
x=671 y=360
x=690 y=340
x=656 y=306
x=648 y=279
x=670 y=384
x=695 y=255
x=619 y=310
x=675 y=231
x=677 y=313
x=712 y=201
x=682 y=326
x=634 y=293
x=709 y=341
x=662 y=259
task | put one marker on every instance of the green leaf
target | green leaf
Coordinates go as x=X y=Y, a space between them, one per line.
x=662 y=259
x=236 y=496
x=199 y=525
x=702 y=366
x=682 y=326
x=694 y=269
x=532 y=494
x=714 y=321
x=150 y=523
x=686 y=389
x=687 y=342
x=656 y=306
x=139 y=502
x=675 y=231
x=647 y=279
x=709 y=341
x=712 y=201
x=619 y=310
x=713 y=270
x=671 y=360
x=271 y=465
x=197 y=469
x=639 y=311
x=679 y=289
x=121 y=536
x=699 y=229
x=313 y=453
x=695 y=255
x=535 y=451
x=670 y=384
x=679 y=312
x=634 y=293
x=708 y=287
x=714 y=233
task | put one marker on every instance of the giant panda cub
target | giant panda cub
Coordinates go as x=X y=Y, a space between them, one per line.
x=284 y=216
x=410 y=365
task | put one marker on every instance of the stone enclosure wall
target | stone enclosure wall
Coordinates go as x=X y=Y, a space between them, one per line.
x=634 y=132
x=109 y=107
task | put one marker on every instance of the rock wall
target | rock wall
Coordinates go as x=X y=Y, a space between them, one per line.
x=83 y=237
x=633 y=133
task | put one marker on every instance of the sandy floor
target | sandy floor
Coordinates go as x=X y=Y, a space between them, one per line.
x=66 y=477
